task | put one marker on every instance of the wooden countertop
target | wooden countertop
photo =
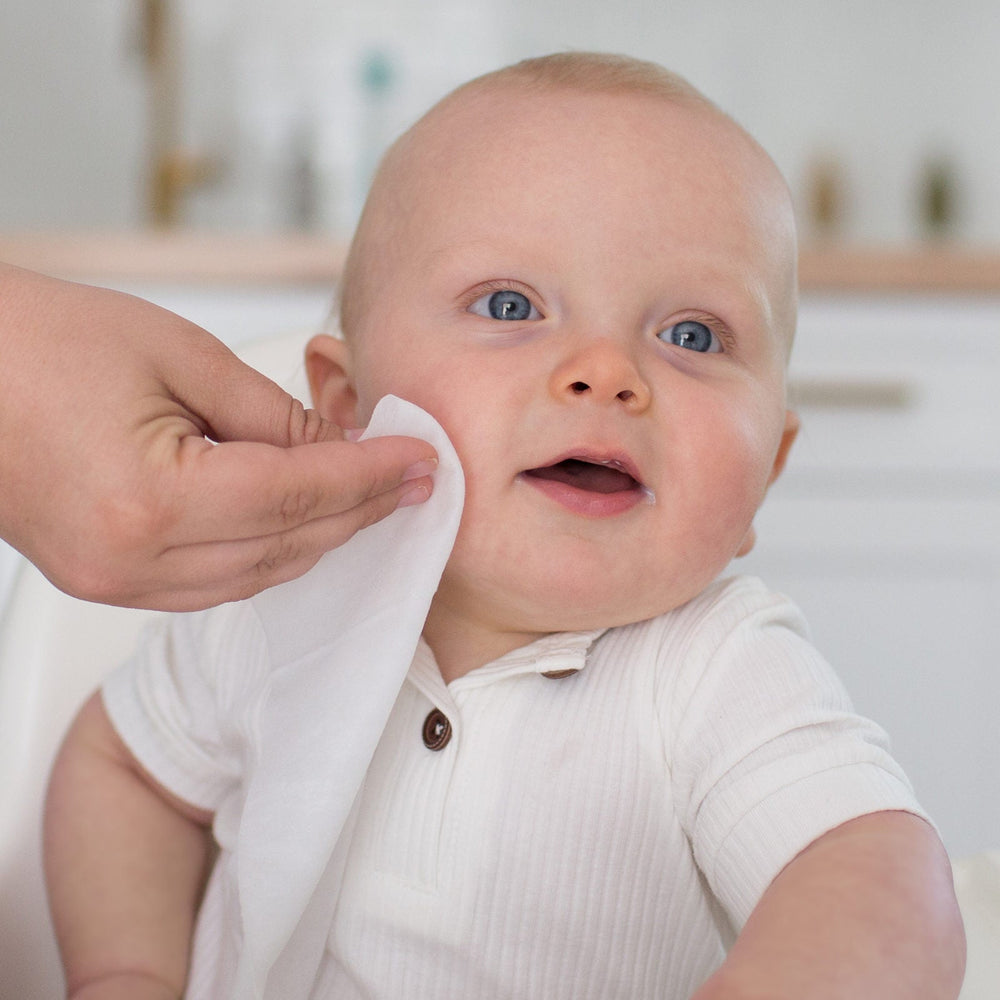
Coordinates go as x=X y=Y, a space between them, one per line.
x=920 y=268
x=188 y=257
x=178 y=257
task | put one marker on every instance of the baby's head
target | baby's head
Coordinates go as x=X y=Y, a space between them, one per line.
x=586 y=272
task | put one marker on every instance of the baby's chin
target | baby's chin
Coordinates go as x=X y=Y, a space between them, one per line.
x=610 y=615
x=573 y=588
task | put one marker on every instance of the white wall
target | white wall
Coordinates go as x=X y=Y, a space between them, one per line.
x=71 y=114
x=881 y=85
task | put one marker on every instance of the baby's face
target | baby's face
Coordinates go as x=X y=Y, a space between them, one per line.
x=593 y=295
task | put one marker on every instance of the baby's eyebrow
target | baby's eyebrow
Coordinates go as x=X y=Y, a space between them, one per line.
x=465 y=263
x=755 y=290
x=774 y=312
x=473 y=247
x=736 y=296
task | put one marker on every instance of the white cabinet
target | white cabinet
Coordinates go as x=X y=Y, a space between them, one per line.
x=886 y=530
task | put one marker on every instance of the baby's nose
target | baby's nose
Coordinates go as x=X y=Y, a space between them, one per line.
x=602 y=372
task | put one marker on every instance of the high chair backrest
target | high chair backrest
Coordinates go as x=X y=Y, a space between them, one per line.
x=54 y=651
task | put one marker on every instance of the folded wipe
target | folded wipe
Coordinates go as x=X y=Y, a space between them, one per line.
x=340 y=641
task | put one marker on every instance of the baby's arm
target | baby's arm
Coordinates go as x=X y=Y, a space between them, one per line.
x=867 y=910
x=125 y=863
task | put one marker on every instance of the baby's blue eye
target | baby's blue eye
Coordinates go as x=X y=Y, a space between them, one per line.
x=691 y=334
x=506 y=304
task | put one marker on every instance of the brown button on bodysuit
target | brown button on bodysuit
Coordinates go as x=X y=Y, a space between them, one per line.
x=437 y=730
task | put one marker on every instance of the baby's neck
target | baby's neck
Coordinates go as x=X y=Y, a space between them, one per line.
x=460 y=645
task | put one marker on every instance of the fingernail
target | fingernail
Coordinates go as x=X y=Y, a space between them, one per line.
x=412 y=497
x=353 y=433
x=425 y=468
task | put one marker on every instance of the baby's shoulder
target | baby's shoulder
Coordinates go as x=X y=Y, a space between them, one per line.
x=728 y=604
x=729 y=622
x=735 y=649
x=224 y=647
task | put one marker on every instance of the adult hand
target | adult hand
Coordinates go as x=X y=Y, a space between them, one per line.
x=109 y=478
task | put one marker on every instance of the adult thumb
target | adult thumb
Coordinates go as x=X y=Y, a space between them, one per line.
x=234 y=402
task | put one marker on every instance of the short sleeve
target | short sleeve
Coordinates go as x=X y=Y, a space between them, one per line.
x=766 y=751
x=185 y=703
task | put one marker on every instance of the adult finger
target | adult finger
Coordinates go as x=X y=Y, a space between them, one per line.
x=240 y=490
x=234 y=402
x=208 y=573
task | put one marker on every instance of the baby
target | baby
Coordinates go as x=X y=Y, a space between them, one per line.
x=609 y=773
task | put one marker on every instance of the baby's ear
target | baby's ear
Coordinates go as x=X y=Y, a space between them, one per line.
x=788 y=435
x=328 y=369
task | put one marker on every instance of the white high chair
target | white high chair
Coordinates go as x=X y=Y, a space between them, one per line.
x=977 y=884
x=54 y=651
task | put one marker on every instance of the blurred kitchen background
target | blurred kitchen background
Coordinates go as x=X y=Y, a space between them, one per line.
x=212 y=155
x=263 y=115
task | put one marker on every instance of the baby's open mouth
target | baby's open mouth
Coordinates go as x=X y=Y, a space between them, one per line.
x=594 y=477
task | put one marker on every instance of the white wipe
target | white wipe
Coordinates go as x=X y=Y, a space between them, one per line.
x=341 y=639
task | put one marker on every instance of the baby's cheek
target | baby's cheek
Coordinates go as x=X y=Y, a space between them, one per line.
x=753 y=439
x=734 y=493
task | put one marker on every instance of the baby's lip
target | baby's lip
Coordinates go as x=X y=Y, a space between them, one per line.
x=595 y=472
